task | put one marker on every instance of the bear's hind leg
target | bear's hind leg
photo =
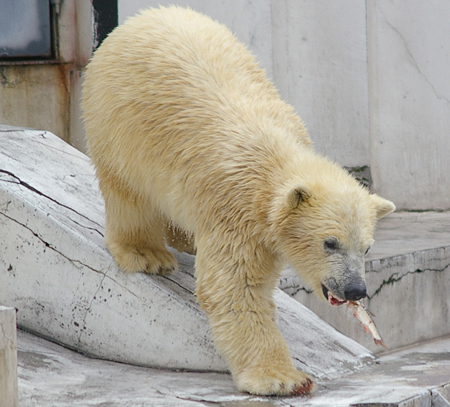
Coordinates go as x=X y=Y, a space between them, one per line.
x=135 y=234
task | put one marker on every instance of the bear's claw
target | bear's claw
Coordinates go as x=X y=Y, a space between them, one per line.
x=307 y=388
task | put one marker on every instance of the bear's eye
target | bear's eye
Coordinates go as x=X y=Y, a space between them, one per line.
x=367 y=251
x=331 y=244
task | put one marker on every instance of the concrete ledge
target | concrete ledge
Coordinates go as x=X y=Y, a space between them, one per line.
x=52 y=376
x=56 y=271
x=408 y=279
x=8 y=358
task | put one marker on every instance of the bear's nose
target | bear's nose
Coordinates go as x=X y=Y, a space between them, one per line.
x=355 y=290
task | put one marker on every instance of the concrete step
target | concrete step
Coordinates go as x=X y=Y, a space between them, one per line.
x=50 y=375
x=408 y=281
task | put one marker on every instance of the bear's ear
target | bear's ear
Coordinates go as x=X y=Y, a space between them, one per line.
x=382 y=206
x=297 y=195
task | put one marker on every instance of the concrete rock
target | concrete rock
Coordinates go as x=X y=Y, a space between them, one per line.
x=65 y=285
x=53 y=376
x=8 y=358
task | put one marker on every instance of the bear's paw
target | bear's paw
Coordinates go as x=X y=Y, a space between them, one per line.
x=268 y=381
x=146 y=260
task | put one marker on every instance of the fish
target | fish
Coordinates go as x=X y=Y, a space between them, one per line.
x=364 y=316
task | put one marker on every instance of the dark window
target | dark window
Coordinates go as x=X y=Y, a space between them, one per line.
x=25 y=29
x=106 y=18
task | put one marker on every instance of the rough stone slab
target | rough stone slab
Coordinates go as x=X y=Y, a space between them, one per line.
x=8 y=357
x=50 y=375
x=441 y=396
x=408 y=280
x=56 y=271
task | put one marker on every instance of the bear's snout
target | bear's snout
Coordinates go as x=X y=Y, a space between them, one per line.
x=350 y=288
x=355 y=290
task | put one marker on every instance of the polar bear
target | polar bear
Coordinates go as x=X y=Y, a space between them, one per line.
x=194 y=147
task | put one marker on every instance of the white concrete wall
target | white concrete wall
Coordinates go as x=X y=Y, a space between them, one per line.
x=409 y=78
x=320 y=65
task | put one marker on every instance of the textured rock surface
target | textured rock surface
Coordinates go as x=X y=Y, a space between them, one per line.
x=52 y=376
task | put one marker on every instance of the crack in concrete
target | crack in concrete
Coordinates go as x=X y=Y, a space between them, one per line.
x=76 y=263
x=246 y=400
x=394 y=279
x=73 y=261
x=303 y=363
x=49 y=245
x=6 y=205
x=297 y=288
x=88 y=308
x=86 y=227
x=200 y=400
x=179 y=285
x=31 y=188
x=413 y=59
x=63 y=152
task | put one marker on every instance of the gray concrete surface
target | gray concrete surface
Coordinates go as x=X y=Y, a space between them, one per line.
x=52 y=376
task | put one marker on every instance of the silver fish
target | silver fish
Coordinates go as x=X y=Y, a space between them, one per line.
x=363 y=316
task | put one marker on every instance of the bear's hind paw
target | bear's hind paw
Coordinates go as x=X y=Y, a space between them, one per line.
x=150 y=261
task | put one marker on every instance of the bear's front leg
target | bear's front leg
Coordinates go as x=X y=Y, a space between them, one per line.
x=241 y=312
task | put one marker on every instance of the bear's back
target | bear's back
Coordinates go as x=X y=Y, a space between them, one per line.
x=167 y=67
x=171 y=99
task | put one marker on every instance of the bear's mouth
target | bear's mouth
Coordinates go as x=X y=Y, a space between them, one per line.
x=331 y=298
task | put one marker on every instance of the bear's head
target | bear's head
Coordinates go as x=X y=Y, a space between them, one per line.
x=325 y=229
